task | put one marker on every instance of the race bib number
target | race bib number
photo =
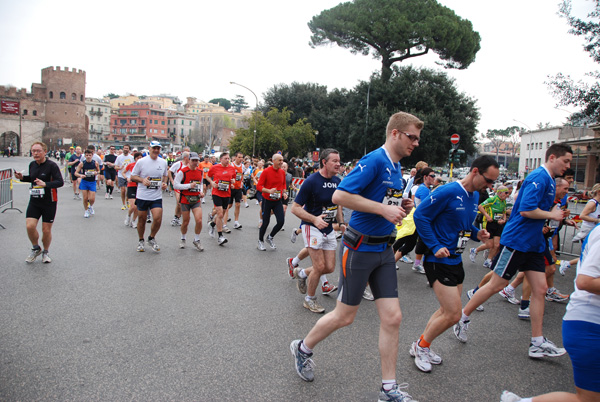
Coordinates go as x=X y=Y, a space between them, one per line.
x=90 y=173
x=223 y=186
x=155 y=182
x=276 y=195
x=393 y=197
x=463 y=239
x=206 y=170
x=497 y=217
x=238 y=176
x=37 y=191
x=330 y=213
x=197 y=188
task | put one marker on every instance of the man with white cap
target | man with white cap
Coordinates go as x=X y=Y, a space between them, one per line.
x=150 y=173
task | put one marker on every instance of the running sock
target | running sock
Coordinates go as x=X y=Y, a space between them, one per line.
x=182 y=237
x=423 y=343
x=302 y=274
x=526 y=400
x=309 y=298
x=464 y=317
x=537 y=340
x=213 y=224
x=295 y=261
x=196 y=237
x=150 y=238
x=36 y=247
x=387 y=385
x=220 y=234
x=417 y=263
x=510 y=289
x=524 y=304
x=324 y=280
x=476 y=289
x=304 y=349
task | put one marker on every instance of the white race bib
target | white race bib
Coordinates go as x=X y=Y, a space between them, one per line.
x=393 y=197
x=37 y=191
x=155 y=182
x=463 y=239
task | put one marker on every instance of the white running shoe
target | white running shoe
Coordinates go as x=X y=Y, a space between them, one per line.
x=470 y=294
x=261 y=246
x=460 y=330
x=419 y=268
x=128 y=220
x=246 y=205
x=222 y=240
x=198 y=245
x=524 y=314
x=509 y=296
x=294 y=235
x=367 y=295
x=86 y=214
x=271 y=243
x=140 y=246
x=509 y=397
x=182 y=243
x=487 y=263
x=421 y=356
x=154 y=245
x=211 y=230
x=237 y=225
x=406 y=259
x=473 y=255
x=91 y=209
x=226 y=229
x=546 y=349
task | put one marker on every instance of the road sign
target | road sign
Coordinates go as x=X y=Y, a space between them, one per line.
x=455 y=138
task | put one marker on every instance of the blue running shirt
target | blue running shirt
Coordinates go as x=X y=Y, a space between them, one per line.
x=377 y=178
x=525 y=234
x=442 y=215
x=315 y=195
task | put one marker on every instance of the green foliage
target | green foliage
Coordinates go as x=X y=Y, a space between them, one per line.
x=112 y=96
x=507 y=135
x=581 y=94
x=239 y=103
x=274 y=133
x=221 y=101
x=395 y=30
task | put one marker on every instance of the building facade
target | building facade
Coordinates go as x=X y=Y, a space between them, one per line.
x=138 y=124
x=98 y=114
x=53 y=112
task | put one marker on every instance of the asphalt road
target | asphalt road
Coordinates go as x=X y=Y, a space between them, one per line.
x=104 y=322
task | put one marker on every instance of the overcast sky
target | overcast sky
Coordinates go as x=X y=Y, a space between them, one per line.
x=195 y=48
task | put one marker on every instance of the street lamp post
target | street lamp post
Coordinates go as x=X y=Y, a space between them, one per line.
x=255 y=109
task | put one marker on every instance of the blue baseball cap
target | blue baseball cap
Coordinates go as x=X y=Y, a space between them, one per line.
x=155 y=144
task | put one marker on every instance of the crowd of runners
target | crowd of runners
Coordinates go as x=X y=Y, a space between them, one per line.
x=365 y=219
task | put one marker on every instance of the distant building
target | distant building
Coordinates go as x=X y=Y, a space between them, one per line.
x=98 y=114
x=53 y=112
x=138 y=124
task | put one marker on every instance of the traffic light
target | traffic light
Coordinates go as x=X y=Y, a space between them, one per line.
x=457 y=155
x=451 y=156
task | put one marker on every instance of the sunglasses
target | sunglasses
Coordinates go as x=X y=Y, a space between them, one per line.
x=487 y=180
x=412 y=137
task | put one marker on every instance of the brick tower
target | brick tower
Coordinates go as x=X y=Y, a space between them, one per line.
x=65 y=107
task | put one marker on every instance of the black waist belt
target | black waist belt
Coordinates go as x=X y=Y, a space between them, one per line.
x=373 y=240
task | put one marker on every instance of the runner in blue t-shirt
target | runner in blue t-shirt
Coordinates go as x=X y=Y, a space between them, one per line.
x=522 y=248
x=444 y=221
x=313 y=205
x=373 y=190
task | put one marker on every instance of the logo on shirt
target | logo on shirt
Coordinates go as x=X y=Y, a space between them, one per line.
x=361 y=167
x=535 y=184
x=432 y=200
x=460 y=198
x=329 y=185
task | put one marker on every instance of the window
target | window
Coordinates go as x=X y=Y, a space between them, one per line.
x=123 y=131
x=155 y=121
x=63 y=95
x=51 y=95
x=162 y=122
x=81 y=98
x=190 y=122
x=182 y=132
x=528 y=147
x=143 y=122
x=132 y=122
x=73 y=96
x=35 y=112
x=162 y=131
x=548 y=144
x=182 y=122
x=24 y=112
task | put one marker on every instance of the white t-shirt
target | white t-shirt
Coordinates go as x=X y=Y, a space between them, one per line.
x=153 y=169
x=176 y=167
x=585 y=306
x=122 y=161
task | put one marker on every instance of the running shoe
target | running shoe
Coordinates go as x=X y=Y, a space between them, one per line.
x=327 y=288
x=367 y=295
x=290 y=267
x=75 y=196
x=128 y=220
x=226 y=229
x=554 y=295
x=470 y=294
x=271 y=243
x=86 y=214
x=301 y=282
x=46 y=258
x=237 y=225
x=91 y=209
x=303 y=362
x=487 y=264
x=182 y=243
x=473 y=254
x=33 y=255
x=111 y=197
x=211 y=230
x=524 y=314
x=154 y=245
x=509 y=296
x=546 y=349
x=78 y=196
x=106 y=196
x=222 y=240
x=434 y=358
x=203 y=201
x=123 y=208
x=261 y=246
x=396 y=394
x=509 y=397
x=313 y=306
x=486 y=252
x=140 y=246
x=174 y=221
x=246 y=205
x=198 y=245
x=419 y=268
x=133 y=224
x=564 y=265
x=210 y=218
x=149 y=219
x=294 y=235
x=406 y=259
x=460 y=330
x=421 y=356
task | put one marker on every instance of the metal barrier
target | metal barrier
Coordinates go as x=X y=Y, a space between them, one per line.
x=567 y=247
x=6 y=191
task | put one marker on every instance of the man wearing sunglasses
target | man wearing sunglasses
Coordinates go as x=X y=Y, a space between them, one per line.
x=522 y=247
x=444 y=221
x=373 y=190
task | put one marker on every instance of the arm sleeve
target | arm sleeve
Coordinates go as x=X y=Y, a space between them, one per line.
x=177 y=185
x=57 y=179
